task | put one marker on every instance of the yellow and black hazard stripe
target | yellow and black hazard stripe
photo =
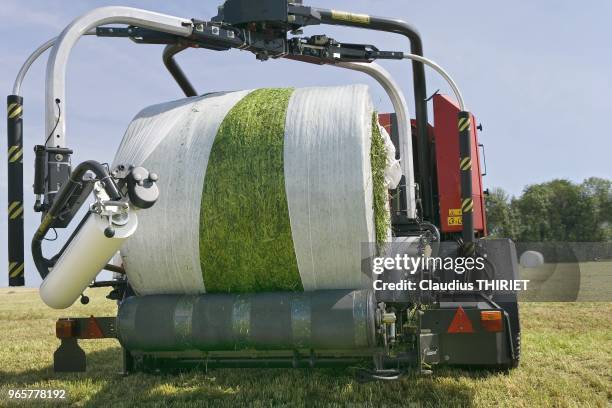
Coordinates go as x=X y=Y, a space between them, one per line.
x=14 y=132
x=467 y=205
x=15 y=154
x=15 y=269
x=15 y=110
x=15 y=209
x=465 y=164
x=464 y=124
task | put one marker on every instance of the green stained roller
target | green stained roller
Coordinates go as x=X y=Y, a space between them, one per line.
x=245 y=232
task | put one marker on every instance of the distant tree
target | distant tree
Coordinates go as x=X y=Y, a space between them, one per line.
x=601 y=192
x=532 y=213
x=558 y=210
x=501 y=221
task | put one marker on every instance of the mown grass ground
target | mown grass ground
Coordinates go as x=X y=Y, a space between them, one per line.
x=566 y=361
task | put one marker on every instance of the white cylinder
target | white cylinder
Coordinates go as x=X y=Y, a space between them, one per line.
x=531 y=259
x=83 y=259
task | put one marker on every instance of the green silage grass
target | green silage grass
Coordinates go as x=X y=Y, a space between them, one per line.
x=245 y=232
x=378 y=158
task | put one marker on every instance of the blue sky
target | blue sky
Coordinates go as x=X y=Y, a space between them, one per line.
x=536 y=75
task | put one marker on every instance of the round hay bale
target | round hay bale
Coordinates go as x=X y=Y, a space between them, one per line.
x=531 y=259
x=264 y=190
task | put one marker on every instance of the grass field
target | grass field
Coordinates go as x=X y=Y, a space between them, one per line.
x=566 y=361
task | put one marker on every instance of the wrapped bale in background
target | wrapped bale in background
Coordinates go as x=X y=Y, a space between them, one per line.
x=264 y=190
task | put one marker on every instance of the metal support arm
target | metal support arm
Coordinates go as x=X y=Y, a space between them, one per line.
x=175 y=70
x=418 y=77
x=58 y=60
x=403 y=120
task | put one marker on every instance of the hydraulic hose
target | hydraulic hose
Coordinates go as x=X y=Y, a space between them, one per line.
x=451 y=82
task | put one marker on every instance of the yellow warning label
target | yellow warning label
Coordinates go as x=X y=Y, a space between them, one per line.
x=455 y=221
x=352 y=17
x=454 y=211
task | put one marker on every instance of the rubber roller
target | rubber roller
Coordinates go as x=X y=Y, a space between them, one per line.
x=326 y=319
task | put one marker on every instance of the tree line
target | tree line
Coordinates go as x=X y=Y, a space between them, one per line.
x=558 y=210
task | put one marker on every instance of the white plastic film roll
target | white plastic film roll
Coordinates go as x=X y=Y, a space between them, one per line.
x=83 y=259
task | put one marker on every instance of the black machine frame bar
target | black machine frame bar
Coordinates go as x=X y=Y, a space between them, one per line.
x=14 y=127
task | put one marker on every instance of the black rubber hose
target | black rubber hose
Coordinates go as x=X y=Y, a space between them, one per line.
x=175 y=70
x=61 y=199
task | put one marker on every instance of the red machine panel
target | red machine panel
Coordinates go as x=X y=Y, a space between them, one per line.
x=446 y=136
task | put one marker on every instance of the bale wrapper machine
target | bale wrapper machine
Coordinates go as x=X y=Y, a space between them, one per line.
x=439 y=204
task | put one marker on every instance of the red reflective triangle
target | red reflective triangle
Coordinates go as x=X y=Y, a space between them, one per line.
x=93 y=330
x=461 y=323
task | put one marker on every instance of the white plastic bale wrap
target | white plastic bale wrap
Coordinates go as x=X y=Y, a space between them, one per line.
x=173 y=139
x=328 y=180
x=328 y=184
x=393 y=172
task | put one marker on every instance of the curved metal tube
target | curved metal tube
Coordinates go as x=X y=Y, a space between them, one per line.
x=33 y=57
x=175 y=70
x=384 y=78
x=56 y=67
x=28 y=63
x=442 y=73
